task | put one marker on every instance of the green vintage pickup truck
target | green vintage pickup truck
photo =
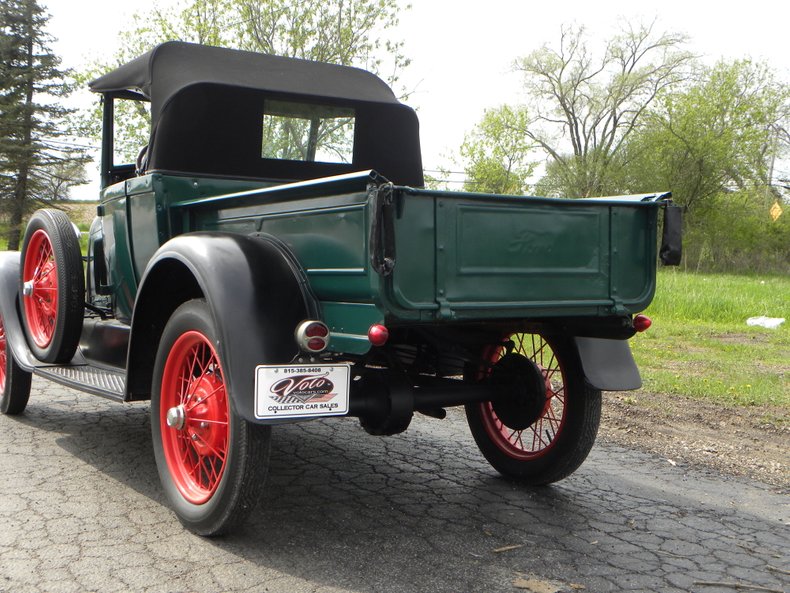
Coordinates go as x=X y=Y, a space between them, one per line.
x=273 y=257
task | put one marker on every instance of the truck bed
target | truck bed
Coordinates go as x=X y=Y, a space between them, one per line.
x=373 y=251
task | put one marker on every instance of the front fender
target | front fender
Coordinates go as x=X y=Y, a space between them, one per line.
x=256 y=294
x=608 y=364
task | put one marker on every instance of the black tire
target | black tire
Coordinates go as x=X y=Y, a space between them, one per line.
x=213 y=493
x=14 y=382
x=52 y=303
x=552 y=447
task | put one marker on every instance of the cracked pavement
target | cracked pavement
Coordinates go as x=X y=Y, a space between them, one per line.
x=81 y=510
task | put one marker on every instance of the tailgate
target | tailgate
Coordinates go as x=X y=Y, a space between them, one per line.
x=474 y=256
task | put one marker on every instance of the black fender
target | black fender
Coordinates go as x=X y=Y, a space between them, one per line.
x=10 y=262
x=608 y=365
x=257 y=294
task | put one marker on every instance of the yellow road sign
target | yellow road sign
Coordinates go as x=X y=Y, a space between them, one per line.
x=775 y=211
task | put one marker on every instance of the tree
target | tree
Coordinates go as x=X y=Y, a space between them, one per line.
x=345 y=32
x=713 y=144
x=495 y=154
x=718 y=135
x=586 y=108
x=31 y=152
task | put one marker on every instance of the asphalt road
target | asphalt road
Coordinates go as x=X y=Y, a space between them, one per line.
x=81 y=510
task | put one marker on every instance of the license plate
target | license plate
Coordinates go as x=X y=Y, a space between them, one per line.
x=297 y=391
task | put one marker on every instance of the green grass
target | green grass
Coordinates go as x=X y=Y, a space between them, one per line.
x=84 y=228
x=700 y=346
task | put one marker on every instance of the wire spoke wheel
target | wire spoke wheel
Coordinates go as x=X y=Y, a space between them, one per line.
x=540 y=435
x=14 y=381
x=52 y=286
x=196 y=442
x=40 y=282
x=211 y=461
x=544 y=422
x=3 y=356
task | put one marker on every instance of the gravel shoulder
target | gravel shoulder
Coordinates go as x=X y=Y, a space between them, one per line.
x=751 y=442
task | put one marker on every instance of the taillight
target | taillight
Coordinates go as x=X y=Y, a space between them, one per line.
x=316 y=329
x=312 y=336
x=642 y=322
x=378 y=334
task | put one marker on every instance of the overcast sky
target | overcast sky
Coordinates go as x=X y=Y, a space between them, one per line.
x=462 y=51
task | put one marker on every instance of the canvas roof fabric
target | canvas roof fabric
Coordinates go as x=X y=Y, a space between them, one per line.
x=161 y=73
x=207 y=108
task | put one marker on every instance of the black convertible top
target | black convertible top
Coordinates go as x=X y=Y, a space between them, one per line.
x=168 y=68
x=206 y=107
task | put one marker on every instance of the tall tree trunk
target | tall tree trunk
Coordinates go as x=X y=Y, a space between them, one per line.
x=26 y=156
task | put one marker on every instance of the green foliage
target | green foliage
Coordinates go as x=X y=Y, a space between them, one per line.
x=716 y=135
x=132 y=122
x=646 y=117
x=736 y=232
x=712 y=143
x=439 y=180
x=496 y=152
x=700 y=345
x=347 y=32
x=84 y=237
x=36 y=166
x=569 y=177
x=308 y=132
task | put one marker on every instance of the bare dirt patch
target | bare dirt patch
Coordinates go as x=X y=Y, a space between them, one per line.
x=752 y=442
x=80 y=212
x=741 y=338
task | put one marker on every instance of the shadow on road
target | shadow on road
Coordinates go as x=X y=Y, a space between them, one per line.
x=423 y=511
x=342 y=507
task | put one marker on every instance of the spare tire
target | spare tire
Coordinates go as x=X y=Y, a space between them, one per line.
x=52 y=286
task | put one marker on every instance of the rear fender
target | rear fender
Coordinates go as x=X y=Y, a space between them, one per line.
x=608 y=364
x=9 y=308
x=257 y=295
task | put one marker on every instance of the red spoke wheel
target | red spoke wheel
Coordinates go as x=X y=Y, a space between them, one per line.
x=545 y=423
x=41 y=282
x=194 y=406
x=212 y=463
x=14 y=381
x=52 y=286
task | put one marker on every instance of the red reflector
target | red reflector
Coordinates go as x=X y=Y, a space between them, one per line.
x=316 y=344
x=317 y=330
x=642 y=322
x=378 y=334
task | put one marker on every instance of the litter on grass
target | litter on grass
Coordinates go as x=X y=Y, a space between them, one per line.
x=763 y=321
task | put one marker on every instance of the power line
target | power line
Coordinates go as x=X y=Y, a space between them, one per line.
x=444 y=171
x=71 y=144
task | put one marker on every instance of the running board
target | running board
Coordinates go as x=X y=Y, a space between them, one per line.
x=109 y=384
